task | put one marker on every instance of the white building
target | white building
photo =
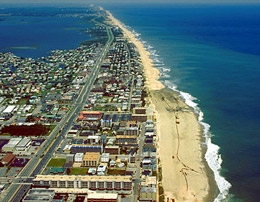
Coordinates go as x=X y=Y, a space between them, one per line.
x=101 y=170
x=10 y=146
x=105 y=157
x=78 y=157
x=9 y=109
x=24 y=144
x=93 y=139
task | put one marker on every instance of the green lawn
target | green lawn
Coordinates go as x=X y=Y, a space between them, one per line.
x=77 y=171
x=116 y=171
x=56 y=162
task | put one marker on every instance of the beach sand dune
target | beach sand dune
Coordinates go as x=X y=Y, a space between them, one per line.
x=183 y=174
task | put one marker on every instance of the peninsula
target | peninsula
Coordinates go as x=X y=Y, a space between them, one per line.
x=95 y=123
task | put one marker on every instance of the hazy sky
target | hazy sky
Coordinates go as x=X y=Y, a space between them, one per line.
x=128 y=1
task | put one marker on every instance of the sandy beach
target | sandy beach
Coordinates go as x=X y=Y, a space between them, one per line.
x=180 y=156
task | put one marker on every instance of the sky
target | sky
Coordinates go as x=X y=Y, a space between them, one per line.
x=128 y=1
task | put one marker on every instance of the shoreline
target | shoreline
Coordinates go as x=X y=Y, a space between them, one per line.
x=186 y=175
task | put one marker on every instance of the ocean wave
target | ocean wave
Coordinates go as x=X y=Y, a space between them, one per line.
x=165 y=69
x=212 y=155
x=164 y=76
x=170 y=85
x=214 y=160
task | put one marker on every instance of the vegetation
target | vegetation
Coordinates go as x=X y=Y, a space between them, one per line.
x=23 y=101
x=161 y=194
x=77 y=171
x=116 y=171
x=25 y=130
x=56 y=162
x=105 y=108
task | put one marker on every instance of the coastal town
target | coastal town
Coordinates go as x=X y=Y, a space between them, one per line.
x=75 y=125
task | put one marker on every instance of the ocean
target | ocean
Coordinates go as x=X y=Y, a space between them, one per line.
x=35 y=31
x=210 y=54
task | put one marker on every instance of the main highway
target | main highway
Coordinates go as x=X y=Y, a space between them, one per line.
x=23 y=181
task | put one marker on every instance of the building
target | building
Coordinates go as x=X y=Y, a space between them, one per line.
x=90 y=115
x=106 y=123
x=91 y=159
x=119 y=184
x=69 y=158
x=114 y=150
x=8 y=110
x=102 y=197
x=83 y=148
x=148 y=189
x=126 y=141
x=105 y=157
x=139 y=117
x=78 y=157
x=8 y=158
x=39 y=195
x=10 y=146
x=101 y=170
x=93 y=139
x=24 y=144
x=132 y=130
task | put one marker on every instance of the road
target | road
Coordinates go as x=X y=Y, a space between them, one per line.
x=16 y=191
x=137 y=180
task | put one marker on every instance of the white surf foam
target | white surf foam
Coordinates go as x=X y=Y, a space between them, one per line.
x=212 y=155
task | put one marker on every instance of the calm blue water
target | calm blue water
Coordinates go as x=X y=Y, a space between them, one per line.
x=34 y=32
x=210 y=52
x=213 y=53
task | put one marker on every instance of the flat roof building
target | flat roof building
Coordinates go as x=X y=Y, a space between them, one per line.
x=9 y=109
x=102 y=197
x=10 y=146
x=24 y=144
x=121 y=184
x=38 y=195
x=78 y=157
x=91 y=159
x=90 y=115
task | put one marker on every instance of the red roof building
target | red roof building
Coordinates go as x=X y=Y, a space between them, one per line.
x=8 y=158
x=90 y=115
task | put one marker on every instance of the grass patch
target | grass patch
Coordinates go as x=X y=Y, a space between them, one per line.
x=116 y=171
x=23 y=101
x=77 y=171
x=50 y=127
x=56 y=162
